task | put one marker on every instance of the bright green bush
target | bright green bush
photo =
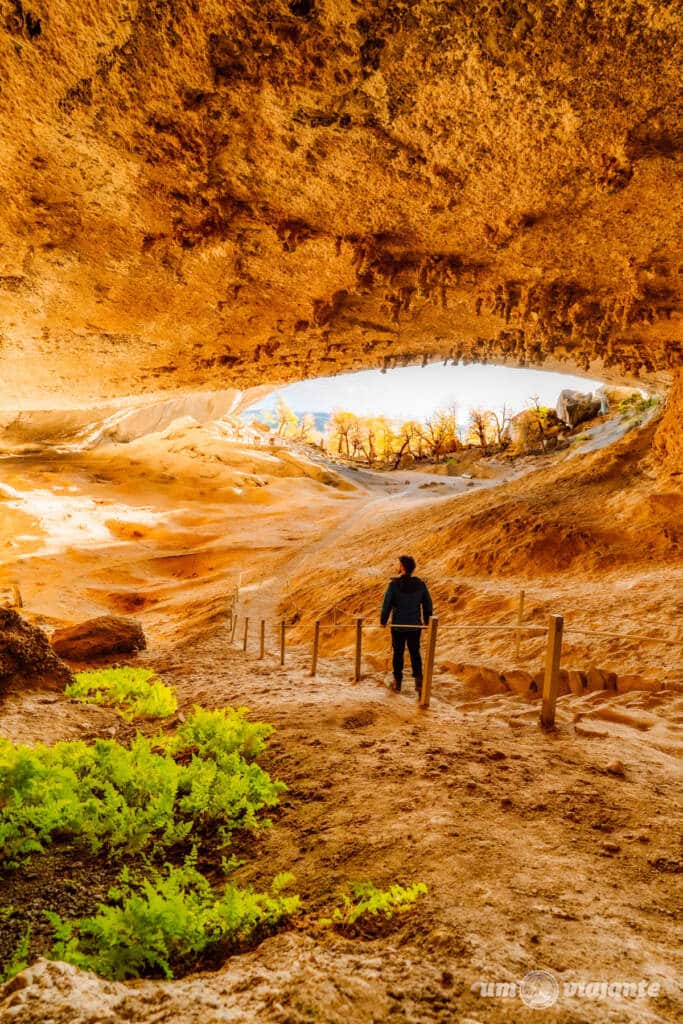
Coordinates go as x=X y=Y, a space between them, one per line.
x=134 y=692
x=167 y=917
x=154 y=793
x=367 y=901
x=217 y=734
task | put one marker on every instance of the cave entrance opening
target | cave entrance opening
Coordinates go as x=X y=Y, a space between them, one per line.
x=390 y=418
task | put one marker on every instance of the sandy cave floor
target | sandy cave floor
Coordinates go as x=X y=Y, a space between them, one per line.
x=560 y=852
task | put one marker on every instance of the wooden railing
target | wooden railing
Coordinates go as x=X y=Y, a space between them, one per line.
x=554 y=632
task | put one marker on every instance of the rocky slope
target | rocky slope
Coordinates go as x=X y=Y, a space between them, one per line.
x=159 y=527
x=199 y=195
x=597 y=537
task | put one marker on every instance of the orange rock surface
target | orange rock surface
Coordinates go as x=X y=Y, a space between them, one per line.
x=218 y=194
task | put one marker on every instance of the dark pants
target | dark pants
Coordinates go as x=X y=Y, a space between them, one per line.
x=399 y=639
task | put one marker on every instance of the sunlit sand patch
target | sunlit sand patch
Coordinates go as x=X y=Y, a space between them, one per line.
x=67 y=521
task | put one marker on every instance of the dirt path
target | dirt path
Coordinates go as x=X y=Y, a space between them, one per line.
x=540 y=851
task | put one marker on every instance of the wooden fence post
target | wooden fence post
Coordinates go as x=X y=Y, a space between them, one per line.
x=426 y=693
x=234 y=628
x=316 y=644
x=552 y=671
x=359 y=644
x=16 y=595
x=520 y=619
x=262 y=650
x=246 y=633
x=282 y=642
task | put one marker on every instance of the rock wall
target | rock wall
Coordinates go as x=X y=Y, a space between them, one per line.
x=121 y=422
x=204 y=195
x=668 y=442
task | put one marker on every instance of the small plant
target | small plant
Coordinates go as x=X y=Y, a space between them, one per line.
x=134 y=692
x=196 y=782
x=19 y=959
x=168 y=917
x=637 y=405
x=367 y=902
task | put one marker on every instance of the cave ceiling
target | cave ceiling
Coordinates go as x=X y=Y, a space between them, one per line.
x=198 y=195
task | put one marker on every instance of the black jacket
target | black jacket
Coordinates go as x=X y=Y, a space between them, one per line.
x=405 y=599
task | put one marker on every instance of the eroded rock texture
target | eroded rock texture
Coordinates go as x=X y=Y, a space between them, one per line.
x=202 y=194
x=26 y=659
x=668 y=443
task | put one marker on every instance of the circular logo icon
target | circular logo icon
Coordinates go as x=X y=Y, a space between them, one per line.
x=539 y=990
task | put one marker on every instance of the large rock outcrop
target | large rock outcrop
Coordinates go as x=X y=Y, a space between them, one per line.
x=201 y=195
x=574 y=407
x=26 y=659
x=99 y=638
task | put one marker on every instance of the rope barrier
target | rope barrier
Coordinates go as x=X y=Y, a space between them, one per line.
x=537 y=630
x=494 y=626
x=625 y=636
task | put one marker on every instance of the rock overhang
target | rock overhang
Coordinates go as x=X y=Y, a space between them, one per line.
x=202 y=196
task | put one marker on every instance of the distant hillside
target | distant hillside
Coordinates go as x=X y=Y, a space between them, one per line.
x=321 y=418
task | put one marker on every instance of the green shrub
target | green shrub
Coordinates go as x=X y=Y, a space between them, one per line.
x=166 y=918
x=134 y=692
x=636 y=404
x=217 y=734
x=156 y=792
x=367 y=901
x=19 y=959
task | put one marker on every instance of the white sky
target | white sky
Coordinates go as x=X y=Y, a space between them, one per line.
x=413 y=392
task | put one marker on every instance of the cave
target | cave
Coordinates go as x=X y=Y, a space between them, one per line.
x=203 y=203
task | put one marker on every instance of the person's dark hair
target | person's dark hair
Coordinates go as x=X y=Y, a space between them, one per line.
x=408 y=563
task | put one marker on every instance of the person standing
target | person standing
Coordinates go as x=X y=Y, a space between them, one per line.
x=408 y=602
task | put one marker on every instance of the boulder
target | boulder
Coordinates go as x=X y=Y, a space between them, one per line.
x=563 y=687
x=532 y=429
x=97 y=638
x=484 y=681
x=600 y=679
x=611 y=395
x=538 y=682
x=521 y=682
x=578 y=682
x=27 y=661
x=573 y=407
x=629 y=683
